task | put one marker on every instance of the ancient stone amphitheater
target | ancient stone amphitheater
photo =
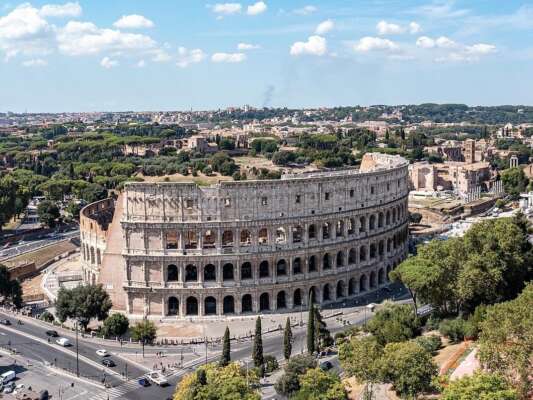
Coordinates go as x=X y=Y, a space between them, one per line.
x=174 y=250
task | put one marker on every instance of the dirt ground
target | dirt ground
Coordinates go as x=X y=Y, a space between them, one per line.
x=201 y=179
x=41 y=256
x=32 y=286
x=184 y=329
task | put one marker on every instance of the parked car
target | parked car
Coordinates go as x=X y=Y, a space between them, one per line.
x=144 y=382
x=8 y=387
x=5 y=322
x=157 y=378
x=102 y=353
x=52 y=333
x=326 y=366
x=63 y=342
x=7 y=376
x=108 y=362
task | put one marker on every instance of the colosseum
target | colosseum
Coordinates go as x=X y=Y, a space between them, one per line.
x=175 y=250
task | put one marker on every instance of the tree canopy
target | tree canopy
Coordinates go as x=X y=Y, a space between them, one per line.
x=480 y=386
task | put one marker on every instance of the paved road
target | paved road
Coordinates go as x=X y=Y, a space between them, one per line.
x=32 y=245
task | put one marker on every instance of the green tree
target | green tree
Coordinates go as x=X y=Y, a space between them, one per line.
x=83 y=303
x=514 y=181
x=408 y=367
x=311 y=341
x=394 y=323
x=257 y=350
x=319 y=385
x=480 y=386
x=144 y=331
x=10 y=288
x=226 y=349
x=48 y=213
x=115 y=325
x=289 y=382
x=8 y=191
x=322 y=335
x=287 y=340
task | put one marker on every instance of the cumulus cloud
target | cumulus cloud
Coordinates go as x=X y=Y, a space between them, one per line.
x=425 y=42
x=108 y=63
x=133 y=21
x=315 y=45
x=187 y=57
x=324 y=27
x=227 y=8
x=160 y=55
x=61 y=10
x=257 y=8
x=141 y=64
x=35 y=62
x=386 y=28
x=369 y=43
x=414 y=28
x=247 y=46
x=228 y=57
x=442 y=42
x=445 y=43
x=480 y=49
x=306 y=10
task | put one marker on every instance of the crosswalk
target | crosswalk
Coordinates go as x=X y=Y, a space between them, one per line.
x=116 y=392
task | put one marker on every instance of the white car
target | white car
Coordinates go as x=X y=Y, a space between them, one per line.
x=157 y=378
x=102 y=353
x=63 y=342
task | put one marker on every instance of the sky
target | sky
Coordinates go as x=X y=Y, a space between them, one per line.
x=151 y=55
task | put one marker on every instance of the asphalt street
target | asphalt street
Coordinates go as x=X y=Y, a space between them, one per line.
x=24 y=247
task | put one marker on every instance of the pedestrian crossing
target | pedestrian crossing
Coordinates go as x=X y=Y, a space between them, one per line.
x=116 y=392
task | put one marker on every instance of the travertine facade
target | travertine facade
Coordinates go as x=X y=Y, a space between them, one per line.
x=180 y=250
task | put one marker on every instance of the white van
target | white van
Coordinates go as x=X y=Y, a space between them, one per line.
x=63 y=342
x=7 y=377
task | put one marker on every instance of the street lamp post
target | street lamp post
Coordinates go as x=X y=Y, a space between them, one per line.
x=77 y=353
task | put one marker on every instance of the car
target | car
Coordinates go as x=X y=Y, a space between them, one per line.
x=157 y=378
x=102 y=353
x=326 y=366
x=63 y=342
x=7 y=376
x=108 y=362
x=144 y=382
x=52 y=333
x=9 y=387
x=5 y=322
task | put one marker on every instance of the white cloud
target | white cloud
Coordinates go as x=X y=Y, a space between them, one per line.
x=386 y=28
x=369 y=43
x=306 y=10
x=315 y=45
x=324 y=27
x=247 y=46
x=445 y=43
x=228 y=57
x=160 y=55
x=133 y=21
x=141 y=64
x=61 y=10
x=425 y=42
x=85 y=38
x=441 y=9
x=414 y=28
x=481 y=49
x=442 y=42
x=257 y=8
x=227 y=8
x=187 y=57
x=108 y=63
x=35 y=62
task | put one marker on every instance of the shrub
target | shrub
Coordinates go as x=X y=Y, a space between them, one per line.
x=47 y=317
x=430 y=343
x=433 y=322
x=271 y=364
x=453 y=329
x=288 y=383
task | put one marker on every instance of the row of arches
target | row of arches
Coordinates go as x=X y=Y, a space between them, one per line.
x=91 y=255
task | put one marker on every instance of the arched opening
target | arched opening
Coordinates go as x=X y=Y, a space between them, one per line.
x=394 y=215
x=381 y=247
x=280 y=300
x=246 y=238
x=172 y=273
x=352 y=257
x=264 y=270
x=227 y=239
x=326 y=263
x=192 y=306
x=339 y=228
x=373 y=279
x=351 y=226
x=210 y=239
x=98 y=257
x=313 y=294
x=311 y=231
x=381 y=276
x=171 y=239
x=325 y=231
x=246 y=270
x=340 y=289
x=326 y=295
x=362 y=224
x=312 y=264
x=210 y=273
x=351 y=287
x=281 y=235
x=297 y=298
x=191 y=240
x=281 y=268
x=362 y=253
x=372 y=222
x=389 y=245
x=362 y=283
x=340 y=259
x=229 y=305
x=387 y=218
x=227 y=272
x=210 y=306
x=297 y=266
x=264 y=302
x=246 y=303
x=372 y=251
x=297 y=233
x=191 y=273
x=262 y=236
x=380 y=220
x=389 y=269
x=173 y=306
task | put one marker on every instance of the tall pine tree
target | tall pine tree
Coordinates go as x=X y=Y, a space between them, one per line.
x=311 y=327
x=257 y=351
x=226 y=349
x=287 y=340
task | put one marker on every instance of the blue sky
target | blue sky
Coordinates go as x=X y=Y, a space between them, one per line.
x=180 y=54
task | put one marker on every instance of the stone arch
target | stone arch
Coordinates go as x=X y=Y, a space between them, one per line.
x=389 y=269
x=394 y=215
x=228 y=305
x=173 y=306
x=351 y=226
x=246 y=270
x=246 y=237
x=352 y=286
x=297 y=298
x=326 y=262
x=92 y=255
x=210 y=273
x=191 y=306
x=326 y=293
x=340 y=259
x=190 y=240
x=191 y=273
x=172 y=273
x=297 y=266
x=312 y=264
x=264 y=302
x=326 y=230
x=389 y=245
x=210 y=306
x=297 y=234
x=362 y=224
x=98 y=257
x=281 y=300
x=247 y=303
x=262 y=236
x=363 y=283
x=380 y=220
x=210 y=239
x=227 y=272
x=311 y=231
x=373 y=251
x=227 y=238
x=352 y=257
x=387 y=218
x=313 y=293
x=264 y=269
x=340 y=289
x=281 y=268
x=381 y=248
x=362 y=253
x=339 y=228
x=381 y=276
x=373 y=282
x=281 y=235
x=372 y=222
